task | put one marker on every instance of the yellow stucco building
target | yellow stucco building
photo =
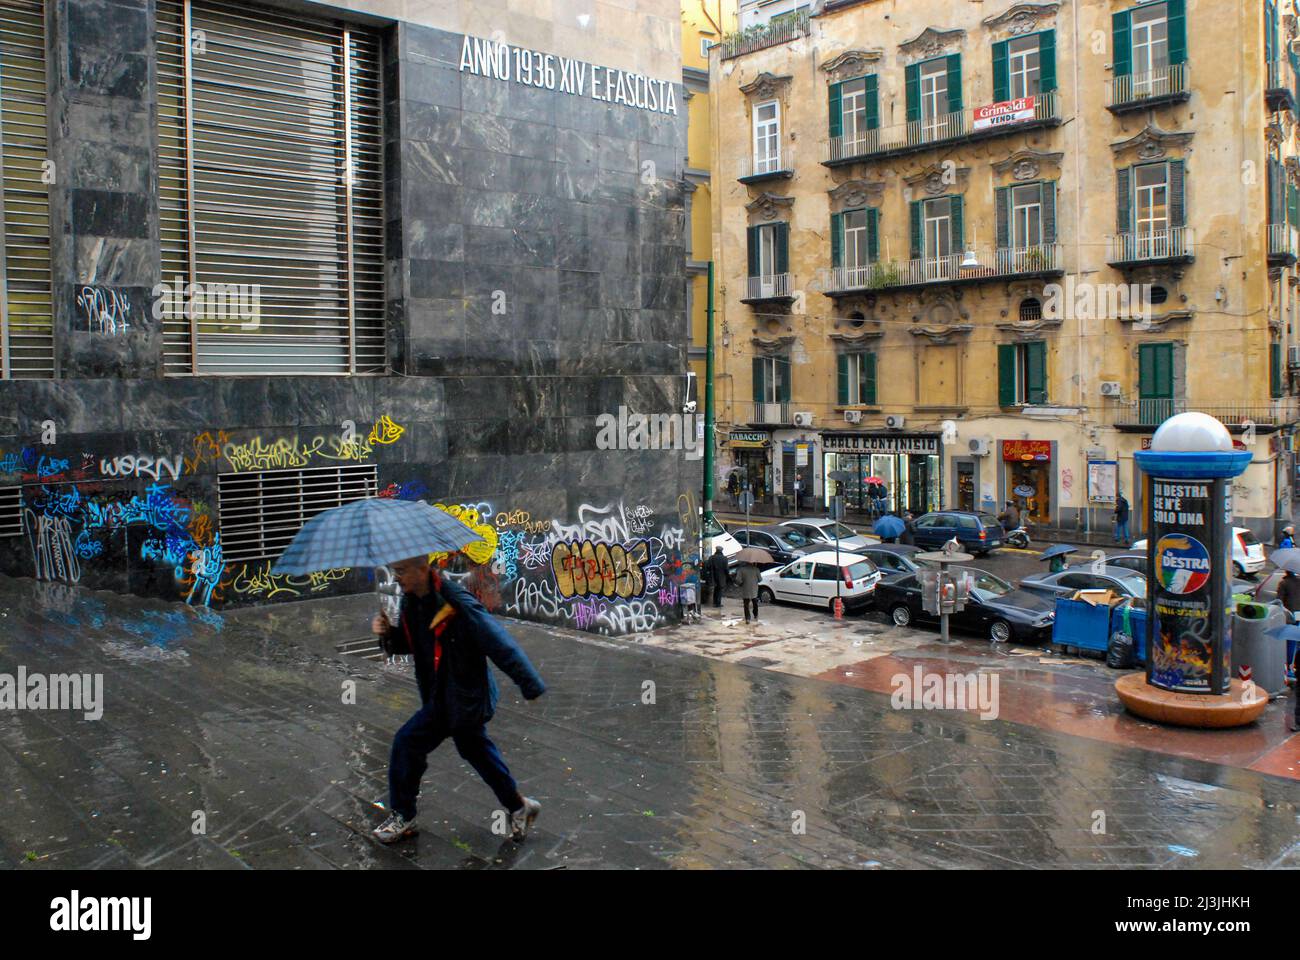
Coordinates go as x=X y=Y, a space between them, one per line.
x=981 y=251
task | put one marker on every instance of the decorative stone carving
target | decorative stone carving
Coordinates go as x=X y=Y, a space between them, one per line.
x=1030 y=329
x=943 y=334
x=1156 y=322
x=1021 y=18
x=938 y=179
x=931 y=42
x=850 y=63
x=1028 y=164
x=774 y=346
x=766 y=86
x=1151 y=142
x=852 y=194
x=768 y=206
x=1289 y=24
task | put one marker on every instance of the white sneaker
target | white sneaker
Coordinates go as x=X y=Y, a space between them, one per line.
x=522 y=819
x=395 y=828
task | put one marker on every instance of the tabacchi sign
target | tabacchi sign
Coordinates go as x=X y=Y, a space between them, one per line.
x=484 y=58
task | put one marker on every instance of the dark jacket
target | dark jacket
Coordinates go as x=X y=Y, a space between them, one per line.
x=1288 y=592
x=465 y=694
x=1121 y=510
x=908 y=535
x=718 y=571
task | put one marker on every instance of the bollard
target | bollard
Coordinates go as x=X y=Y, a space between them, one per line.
x=839 y=609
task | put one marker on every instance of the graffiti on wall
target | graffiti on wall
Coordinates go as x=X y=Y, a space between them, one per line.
x=106 y=311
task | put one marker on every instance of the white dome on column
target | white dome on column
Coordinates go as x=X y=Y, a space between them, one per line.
x=1192 y=433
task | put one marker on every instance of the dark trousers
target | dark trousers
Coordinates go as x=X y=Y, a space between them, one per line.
x=717 y=594
x=419 y=737
x=751 y=604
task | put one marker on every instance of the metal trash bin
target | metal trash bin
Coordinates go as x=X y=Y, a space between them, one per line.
x=1265 y=656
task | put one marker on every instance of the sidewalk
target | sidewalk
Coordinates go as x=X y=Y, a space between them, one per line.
x=242 y=718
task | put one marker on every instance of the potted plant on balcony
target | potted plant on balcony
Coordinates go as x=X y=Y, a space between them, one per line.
x=1036 y=259
x=884 y=275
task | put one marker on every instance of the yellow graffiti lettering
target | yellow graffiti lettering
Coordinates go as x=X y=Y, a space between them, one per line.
x=479 y=552
x=385 y=431
x=585 y=569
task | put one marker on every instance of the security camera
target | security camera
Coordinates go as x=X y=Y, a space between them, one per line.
x=688 y=406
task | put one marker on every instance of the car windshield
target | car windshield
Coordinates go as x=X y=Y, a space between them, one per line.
x=829 y=530
x=794 y=538
x=1135 y=584
x=986 y=586
x=712 y=528
x=1247 y=538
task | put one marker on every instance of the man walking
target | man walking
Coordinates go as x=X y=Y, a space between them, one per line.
x=718 y=574
x=450 y=636
x=1121 y=519
x=749 y=589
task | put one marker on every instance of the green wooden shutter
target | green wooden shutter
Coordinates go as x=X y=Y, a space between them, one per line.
x=1271 y=181
x=957 y=237
x=1048 y=200
x=1123 y=201
x=873 y=235
x=759 y=368
x=954 y=83
x=1270 y=32
x=868 y=393
x=782 y=238
x=1006 y=374
x=836 y=109
x=1002 y=216
x=1001 y=72
x=842 y=390
x=1292 y=205
x=751 y=239
x=783 y=379
x=1275 y=380
x=1176 y=12
x=837 y=240
x=873 y=103
x=1156 y=371
x=1120 y=39
x=1047 y=61
x=912 y=85
x=1177 y=194
x=1036 y=387
x=915 y=227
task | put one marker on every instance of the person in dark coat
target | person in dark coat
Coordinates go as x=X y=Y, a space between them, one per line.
x=718 y=574
x=1121 y=519
x=451 y=637
x=908 y=536
x=749 y=589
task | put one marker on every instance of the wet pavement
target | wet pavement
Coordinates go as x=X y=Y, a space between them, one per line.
x=226 y=742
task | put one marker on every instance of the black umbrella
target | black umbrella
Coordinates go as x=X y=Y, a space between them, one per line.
x=1057 y=550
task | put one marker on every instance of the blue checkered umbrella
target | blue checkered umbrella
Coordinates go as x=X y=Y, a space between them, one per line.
x=373 y=533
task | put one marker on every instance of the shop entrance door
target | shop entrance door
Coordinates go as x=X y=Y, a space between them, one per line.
x=965 y=485
x=918 y=484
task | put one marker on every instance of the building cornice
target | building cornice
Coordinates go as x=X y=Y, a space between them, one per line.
x=852 y=194
x=931 y=42
x=769 y=205
x=933 y=179
x=850 y=63
x=766 y=85
x=944 y=333
x=1027 y=164
x=694 y=76
x=1152 y=142
x=1021 y=17
x=697 y=175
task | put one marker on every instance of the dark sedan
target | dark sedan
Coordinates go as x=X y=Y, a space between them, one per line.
x=785 y=545
x=995 y=609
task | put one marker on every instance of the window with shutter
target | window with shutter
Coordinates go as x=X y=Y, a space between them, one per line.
x=842 y=390
x=760 y=379
x=868 y=393
x=752 y=246
x=837 y=240
x=954 y=83
x=1002 y=216
x=1006 y=374
x=782 y=367
x=1001 y=77
x=1156 y=371
x=1123 y=65
x=834 y=110
x=1047 y=61
x=1035 y=372
x=873 y=235
x=285 y=204
x=26 y=299
x=1275 y=380
x=914 y=227
x=912 y=89
x=782 y=240
x=1123 y=201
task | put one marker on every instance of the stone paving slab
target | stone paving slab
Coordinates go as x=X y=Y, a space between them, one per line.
x=241 y=717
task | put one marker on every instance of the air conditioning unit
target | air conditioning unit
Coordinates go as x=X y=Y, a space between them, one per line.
x=1293 y=356
x=803 y=419
x=978 y=446
x=852 y=416
x=1110 y=388
x=894 y=421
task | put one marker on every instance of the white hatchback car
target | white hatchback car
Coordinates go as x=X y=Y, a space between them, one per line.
x=1247 y=552
x=812 y=580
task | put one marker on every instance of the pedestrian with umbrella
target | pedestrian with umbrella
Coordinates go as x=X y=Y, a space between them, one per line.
x=749 y=559
x=1057 y=554
x=448 y=633
x=888 y=528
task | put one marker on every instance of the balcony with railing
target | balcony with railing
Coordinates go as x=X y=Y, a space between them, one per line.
x=776 y=286
x=1167 y=245
x=1283 y=244
x=976 y=123
x=759 y=36
x=754 y=169
x=1137 y=91
x=770 y=414
x=1279 y=87
x=988 y=263
x=1145 y=415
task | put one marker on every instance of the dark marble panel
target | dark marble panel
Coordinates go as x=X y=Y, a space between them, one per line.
x=106 y=213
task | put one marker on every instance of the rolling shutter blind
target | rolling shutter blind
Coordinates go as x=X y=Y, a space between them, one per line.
x=271 y=177
x=26 y=324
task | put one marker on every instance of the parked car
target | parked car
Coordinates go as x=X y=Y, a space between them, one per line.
x=823 y=531
x=894 y=560
x=995 y=608
x=1080 y=576
x=721 y=538
x=811 y=580
x=977 y=533
x=1247 y=552
x=785 y=545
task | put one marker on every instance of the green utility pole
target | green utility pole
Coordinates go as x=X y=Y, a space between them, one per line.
x=707 y=548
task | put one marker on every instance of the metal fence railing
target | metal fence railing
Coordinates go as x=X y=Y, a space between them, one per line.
x=986 y=262
x=770 y=34
x=767 y=287
x=1167 y=243
x=1133 y=88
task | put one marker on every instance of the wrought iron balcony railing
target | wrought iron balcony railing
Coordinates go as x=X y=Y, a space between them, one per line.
x=1283 y=241
x=774 y=286
x=1134 y=91
x=780 y=164
x=989 y=263
x=781 y=30
x=770 y=413
x=1168 y=244
x=1236 y=417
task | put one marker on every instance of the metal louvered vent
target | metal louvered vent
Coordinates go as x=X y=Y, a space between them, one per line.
x=11 y=511
x=270 y=185
x=26 y=327
x=261 y=512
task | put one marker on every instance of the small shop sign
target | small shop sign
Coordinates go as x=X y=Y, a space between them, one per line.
x=1022 y=451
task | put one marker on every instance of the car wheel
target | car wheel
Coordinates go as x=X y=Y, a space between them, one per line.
x=1000 y=631
x=1238 y=570
x=765 y=595
x=901 y=615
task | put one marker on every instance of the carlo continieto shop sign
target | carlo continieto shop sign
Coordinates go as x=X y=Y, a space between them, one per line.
x=547 y=71
x=880 y=443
